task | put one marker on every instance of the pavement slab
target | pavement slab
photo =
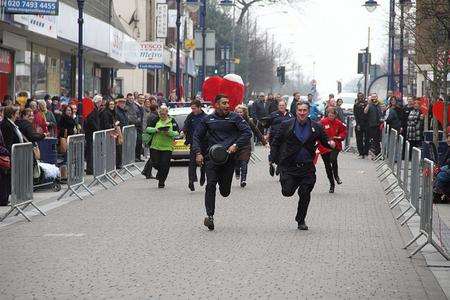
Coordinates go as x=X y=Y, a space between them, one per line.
x=136 y=241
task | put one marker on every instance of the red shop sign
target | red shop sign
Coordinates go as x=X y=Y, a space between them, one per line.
x=6 y=62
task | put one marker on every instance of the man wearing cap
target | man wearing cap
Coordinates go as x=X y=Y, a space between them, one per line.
x=293 y=150
x=221 y=130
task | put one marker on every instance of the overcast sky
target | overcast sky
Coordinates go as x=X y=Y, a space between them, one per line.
x=329 y=32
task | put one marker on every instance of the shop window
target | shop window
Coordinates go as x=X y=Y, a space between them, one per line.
x=22 y=71
x=88 y=76
x=118 y=86
x=53 y=72
x=38 y=71
x=66 y=74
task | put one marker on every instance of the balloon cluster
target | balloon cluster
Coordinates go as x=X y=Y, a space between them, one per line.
x=231 y=85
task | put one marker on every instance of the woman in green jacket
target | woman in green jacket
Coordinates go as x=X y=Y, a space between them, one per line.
x=161 y=145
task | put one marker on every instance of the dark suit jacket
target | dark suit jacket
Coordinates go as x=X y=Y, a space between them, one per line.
x=286 y=145
x=9 y=134
x=28 y=131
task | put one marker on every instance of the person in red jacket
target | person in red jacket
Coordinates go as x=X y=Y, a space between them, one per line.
x=336 y=131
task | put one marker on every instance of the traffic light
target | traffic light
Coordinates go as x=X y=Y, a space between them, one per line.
x=281 y=74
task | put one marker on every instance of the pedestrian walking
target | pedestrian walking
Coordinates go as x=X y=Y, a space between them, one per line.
x=150 y=120
x=161 y=148
x=374 y=119
x=295 y=101
x=362 y=126
x=336 y=130
x=221 y=131
x=275 y=120
x=339 y=111
x=261 y=112
x=293 y=149
x=244 y=154
x=191 y=123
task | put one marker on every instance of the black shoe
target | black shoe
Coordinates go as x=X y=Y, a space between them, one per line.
x=331 y=191
x=161 y=185
x=238 y=176
x=191 y=186
x=209 y=222
x=271 y=170
x=243 y=184
x=138 y=160
x=277 y=171
x=202 y=180
x=302 y=226
x=338 y=180
x=150 y=177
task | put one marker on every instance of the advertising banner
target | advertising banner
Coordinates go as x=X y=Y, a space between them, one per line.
x=161 y=20
x=32 y=7
x=151 y=55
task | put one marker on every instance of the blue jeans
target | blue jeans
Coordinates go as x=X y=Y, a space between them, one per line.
x=241 y=169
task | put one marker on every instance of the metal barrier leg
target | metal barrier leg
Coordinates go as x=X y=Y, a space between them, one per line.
x=413 y=240
x=125 y=168
x=74 y=192
x=398 y=202
x=116 y=174
x=110 y=179
x=392 y=185
x=38 y=209
x=440 y=250
x=396 y=198
x=87 y=189
x=23 y=209
x=23 y=214
x=385 y=177
x=391 y=189
x=408 y=218
x=8 y=213
x=403 y=213
x=63 y=194
x=418 y=249
x=97 y=180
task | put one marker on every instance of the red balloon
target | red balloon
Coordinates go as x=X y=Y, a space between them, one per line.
x=211 y=88
x=234 y=91
x=424 y=104
x=438 y=112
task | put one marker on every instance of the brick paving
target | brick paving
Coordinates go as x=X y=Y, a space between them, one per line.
x=137 y=242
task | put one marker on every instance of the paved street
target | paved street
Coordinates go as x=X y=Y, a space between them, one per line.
x=135 y=241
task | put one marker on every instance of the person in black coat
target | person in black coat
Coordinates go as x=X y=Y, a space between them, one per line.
x=229 y=130
x=190 y=124
x=92 y=125
x=293 y=150
x=362 y=126
x=374 y=120
x=25 y=124
x=10 y=135
x=108 y=116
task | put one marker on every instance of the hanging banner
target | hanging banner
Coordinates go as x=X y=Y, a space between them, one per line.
x=42 y=24
x=31 y=7
x=151 y=55
x=161 y=20
x=172 y=18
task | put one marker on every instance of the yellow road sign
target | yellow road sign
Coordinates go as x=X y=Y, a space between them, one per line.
x=189 y=44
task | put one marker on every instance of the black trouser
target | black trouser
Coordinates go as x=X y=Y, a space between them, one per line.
x=375 y=138
x=148 y=166
x=88 y=153
x=118 y=156
x=215 y=174
x=139 y=150
x=241 y=169
x=192 y=169
x=362 y=140
x=161 y=162
x=303 y=178
x=5 y=187
x=331 y=165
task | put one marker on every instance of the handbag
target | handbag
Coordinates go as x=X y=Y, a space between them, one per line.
x=5 y=162
x=36 y=150
x=119 y=136
x=63 y=144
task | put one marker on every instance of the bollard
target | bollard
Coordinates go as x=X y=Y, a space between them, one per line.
x=128 y=148
x=110 y=158
x=426 y=212
x=21 y=180
x=75 y=166
x=99 y=159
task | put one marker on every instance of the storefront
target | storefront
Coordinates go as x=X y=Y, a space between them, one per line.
x=6 y=72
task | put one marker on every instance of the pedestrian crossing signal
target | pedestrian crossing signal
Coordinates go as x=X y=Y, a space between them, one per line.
x=281 y=74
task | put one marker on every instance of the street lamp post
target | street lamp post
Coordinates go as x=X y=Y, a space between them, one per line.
x=178 y=70
x=404 y=4
x=80 y=49
x=202 y=71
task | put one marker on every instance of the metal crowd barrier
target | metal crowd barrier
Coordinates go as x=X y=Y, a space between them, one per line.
x=99 y=160
x=75 y=166
x=418 y=194
x=348 y=138
x=21 y=180
x=110 y=157
x=426 y=212
x=384 y=144
x=128 y=148
x=389 y=156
